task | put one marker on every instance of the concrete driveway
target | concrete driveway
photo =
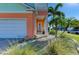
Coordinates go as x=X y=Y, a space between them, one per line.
x=5 y=43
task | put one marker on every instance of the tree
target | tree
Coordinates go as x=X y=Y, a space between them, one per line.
x=57 y=15
x=71 y=22
x=75 y=23
x=66 y=22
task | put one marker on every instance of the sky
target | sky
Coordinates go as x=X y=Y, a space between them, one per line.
x=69 y=9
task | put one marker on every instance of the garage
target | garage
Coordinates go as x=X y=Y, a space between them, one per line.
x=13 y=27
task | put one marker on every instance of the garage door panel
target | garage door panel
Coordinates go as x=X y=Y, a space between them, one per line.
x=12 y=28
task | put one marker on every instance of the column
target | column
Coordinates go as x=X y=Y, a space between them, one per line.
x=46 y=26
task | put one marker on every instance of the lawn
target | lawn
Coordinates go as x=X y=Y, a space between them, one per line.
x=73 y=36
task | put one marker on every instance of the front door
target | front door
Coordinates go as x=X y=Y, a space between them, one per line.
x=40 y=26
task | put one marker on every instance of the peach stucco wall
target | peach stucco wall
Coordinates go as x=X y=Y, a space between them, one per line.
x=30 y=26
x=15 y=15
x=29 y=20
x=43 y=13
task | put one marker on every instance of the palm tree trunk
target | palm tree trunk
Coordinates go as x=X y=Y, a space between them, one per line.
x=56 y=29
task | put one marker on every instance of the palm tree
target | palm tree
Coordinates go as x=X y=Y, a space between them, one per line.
x=57 y=15
x=68 y=22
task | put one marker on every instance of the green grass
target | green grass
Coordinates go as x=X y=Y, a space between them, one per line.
x=73 y=36
x=52 y=32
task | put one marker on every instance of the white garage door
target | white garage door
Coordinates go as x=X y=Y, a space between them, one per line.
x=12 y=28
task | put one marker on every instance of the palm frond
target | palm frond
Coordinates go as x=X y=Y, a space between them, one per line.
x=58 y=5
x=50 y=9
x=52 y=21
x=59 y=13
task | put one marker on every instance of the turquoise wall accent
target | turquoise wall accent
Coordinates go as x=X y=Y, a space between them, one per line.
x=8 y=7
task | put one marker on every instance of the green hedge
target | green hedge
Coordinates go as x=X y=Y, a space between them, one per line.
x=52 y=32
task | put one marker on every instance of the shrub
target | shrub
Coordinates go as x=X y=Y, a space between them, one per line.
x=63 y=46
x=51 y=50
x=20 y=50
x=64 y=35
x=52 y=32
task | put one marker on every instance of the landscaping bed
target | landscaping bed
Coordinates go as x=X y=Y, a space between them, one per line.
x=32 y=47
x=63 y=45
x=66 y=44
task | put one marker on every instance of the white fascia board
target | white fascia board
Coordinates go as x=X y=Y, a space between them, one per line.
x=16 y=11
x=40 y=17
x=39 y=8
x=28 y=6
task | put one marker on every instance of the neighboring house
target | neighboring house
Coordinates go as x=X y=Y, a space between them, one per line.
x=18 y=20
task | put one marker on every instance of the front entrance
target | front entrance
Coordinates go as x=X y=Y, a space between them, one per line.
x=40 y=26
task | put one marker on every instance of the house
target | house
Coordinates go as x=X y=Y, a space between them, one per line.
x=19 y=20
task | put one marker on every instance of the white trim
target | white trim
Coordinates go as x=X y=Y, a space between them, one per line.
x=16 y=11
x=12 y=18
x=46 y=25
x=40 y=17
x=36 y=7
x=29 y=7
x=35 y=27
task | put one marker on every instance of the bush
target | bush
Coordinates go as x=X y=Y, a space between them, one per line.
x=52 y=32
x=51 y=50
x=20 y=50
x=63 y=46
x=64 y=35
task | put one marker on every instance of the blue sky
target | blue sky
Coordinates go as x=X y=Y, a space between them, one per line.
x=70 y=9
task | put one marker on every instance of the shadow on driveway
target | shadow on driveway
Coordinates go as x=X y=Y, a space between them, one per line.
x=5 y=43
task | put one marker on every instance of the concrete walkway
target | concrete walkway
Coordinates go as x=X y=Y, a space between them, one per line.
x=39 y=43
